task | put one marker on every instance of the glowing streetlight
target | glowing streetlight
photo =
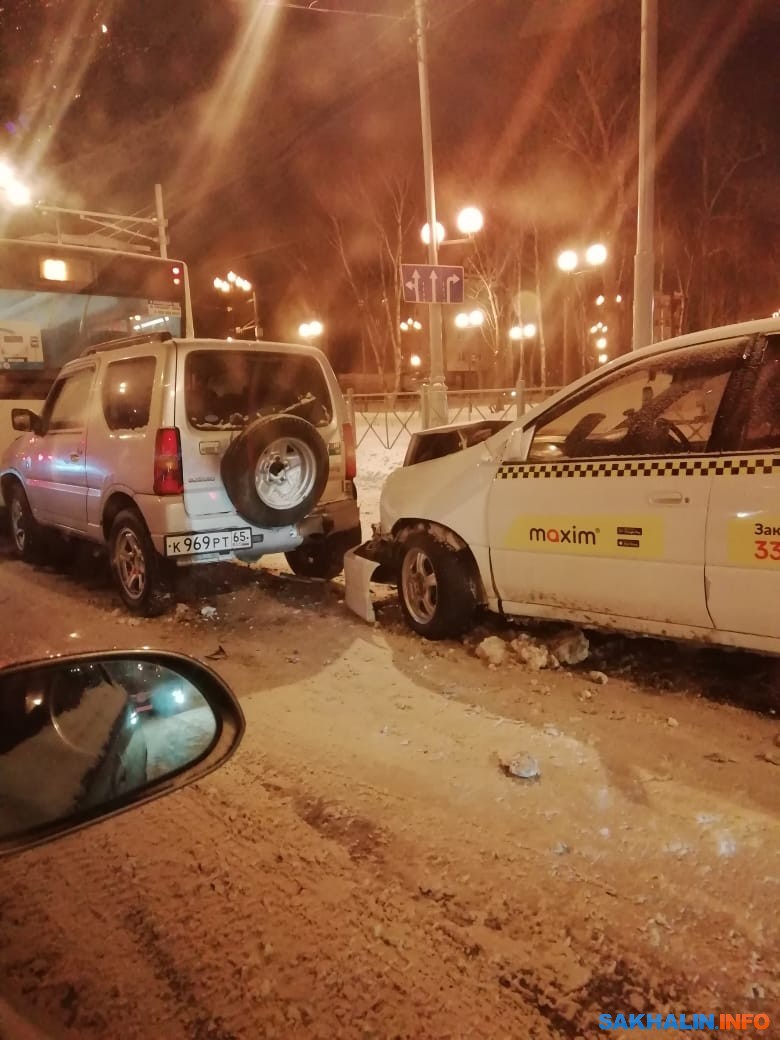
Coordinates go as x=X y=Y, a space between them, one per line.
x=567 y=260
x=470 y=220
x=596 y=254
x=601 y=342
x=603 y=359
x=527 y=331
x=599 y=301
x=16 y=193
x=234 y=281
x=311 y=329
x=425 y=234
x=470 y=319
x=415 y=360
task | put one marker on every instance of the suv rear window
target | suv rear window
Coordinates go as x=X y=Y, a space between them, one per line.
x=127 y=393
x=227 y=389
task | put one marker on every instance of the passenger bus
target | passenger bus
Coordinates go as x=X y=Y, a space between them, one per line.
x=56 y=300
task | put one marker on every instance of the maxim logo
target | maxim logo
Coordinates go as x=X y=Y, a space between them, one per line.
x=563 y=535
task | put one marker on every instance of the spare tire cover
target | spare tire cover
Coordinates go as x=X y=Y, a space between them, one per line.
x=276 y=470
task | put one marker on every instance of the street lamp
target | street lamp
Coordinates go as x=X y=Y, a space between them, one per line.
x=571 y=262
x=234 y=281
x=311 y=329
x=527 y=331
x=470 y=319
x=469 y=222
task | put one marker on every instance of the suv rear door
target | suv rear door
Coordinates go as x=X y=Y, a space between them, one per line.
x=222 y=387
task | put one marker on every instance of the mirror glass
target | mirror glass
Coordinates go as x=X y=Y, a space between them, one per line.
x=76 y=737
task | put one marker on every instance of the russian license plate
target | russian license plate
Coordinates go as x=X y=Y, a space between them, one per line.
x=208 y=542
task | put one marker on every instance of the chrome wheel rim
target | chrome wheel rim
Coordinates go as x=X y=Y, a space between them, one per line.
x=285 y=473
x=18 y=529
x=130 y=563
x=419 y=586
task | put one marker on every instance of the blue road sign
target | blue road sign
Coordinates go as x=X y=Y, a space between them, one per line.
x=429 y=283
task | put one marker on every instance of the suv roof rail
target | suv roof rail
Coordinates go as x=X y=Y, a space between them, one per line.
x=127 y=341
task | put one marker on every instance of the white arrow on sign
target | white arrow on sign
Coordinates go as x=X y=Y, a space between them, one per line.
x=415 y=285
x=434 y=276
x=452 y=280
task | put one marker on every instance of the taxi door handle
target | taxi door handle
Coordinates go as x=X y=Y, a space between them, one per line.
x=76 y=455
x=666 y=498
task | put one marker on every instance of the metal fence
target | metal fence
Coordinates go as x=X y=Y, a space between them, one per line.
x=388 y=418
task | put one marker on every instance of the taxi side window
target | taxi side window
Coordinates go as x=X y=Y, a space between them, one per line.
x=762 y=429
x=664 y=407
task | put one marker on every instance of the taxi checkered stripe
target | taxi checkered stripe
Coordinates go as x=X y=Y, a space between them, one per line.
x=745 y=466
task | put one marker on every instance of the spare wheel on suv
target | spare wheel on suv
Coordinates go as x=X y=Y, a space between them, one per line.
x=276 y=470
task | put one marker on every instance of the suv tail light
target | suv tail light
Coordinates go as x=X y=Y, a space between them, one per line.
x=168 y=476
x=350 y=455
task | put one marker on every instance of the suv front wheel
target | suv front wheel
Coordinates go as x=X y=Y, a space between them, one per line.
x=138 y=569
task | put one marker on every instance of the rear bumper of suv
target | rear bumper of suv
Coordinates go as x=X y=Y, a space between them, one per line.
x=167 y=516
x=331 y=518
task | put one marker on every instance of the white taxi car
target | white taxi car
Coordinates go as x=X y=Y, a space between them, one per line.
x=644 y=497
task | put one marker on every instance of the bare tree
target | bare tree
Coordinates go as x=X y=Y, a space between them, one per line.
x=712 y=228
x=494 y=269
x=370 y=251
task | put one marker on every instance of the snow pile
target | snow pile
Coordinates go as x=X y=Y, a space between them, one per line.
x=570 y=646
x=533 y=653
x=492 y=650
x=567 y=647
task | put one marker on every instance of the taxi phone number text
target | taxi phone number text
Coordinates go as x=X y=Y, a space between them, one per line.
x=766 y=545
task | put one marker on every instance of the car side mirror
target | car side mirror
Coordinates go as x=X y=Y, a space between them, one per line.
x=83 y=738
x=25 y=421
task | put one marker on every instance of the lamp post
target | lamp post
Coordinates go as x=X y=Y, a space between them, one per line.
x=437 y=391
x=233 y=281
x=570 y=262
x=469 y=222
x=644 y=259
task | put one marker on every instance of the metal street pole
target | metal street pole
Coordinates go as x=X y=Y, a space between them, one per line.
x=162 y=224
x=643 y=261
x=437 y=392
x=257 y=318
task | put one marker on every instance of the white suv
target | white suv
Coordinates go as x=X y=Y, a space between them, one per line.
x=175 y=451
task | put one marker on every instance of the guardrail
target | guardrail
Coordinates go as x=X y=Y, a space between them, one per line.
x=390 y=417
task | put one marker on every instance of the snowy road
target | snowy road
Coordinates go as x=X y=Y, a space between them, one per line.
x=364 y=868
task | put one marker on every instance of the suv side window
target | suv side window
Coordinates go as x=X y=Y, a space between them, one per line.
x=666 y=406
x=762 y=429
x=127 y=393
x=66 y=408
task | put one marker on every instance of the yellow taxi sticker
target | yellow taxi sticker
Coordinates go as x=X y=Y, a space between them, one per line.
x=629 y=536
x=754 y=543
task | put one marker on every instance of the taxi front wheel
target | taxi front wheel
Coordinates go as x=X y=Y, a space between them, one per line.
x=437 y=587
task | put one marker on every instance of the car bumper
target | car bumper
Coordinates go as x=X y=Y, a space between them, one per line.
x=167 y=516
x=376 y=560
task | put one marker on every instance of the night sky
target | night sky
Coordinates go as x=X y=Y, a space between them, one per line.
x=264 y=121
